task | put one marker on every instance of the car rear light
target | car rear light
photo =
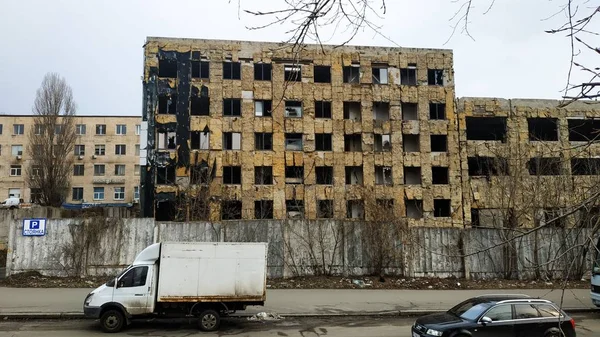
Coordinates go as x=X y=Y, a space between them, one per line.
x=573 y=323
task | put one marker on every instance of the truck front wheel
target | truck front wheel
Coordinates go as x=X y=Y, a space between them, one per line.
x=209 y=320
x=112 y=321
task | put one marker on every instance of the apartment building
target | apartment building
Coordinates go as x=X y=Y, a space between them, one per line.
x=275 y=133
x=106 y=165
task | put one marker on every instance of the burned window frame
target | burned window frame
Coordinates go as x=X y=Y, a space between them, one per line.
x=406 y=144
x=292 y=72
x=263 y=209
x=232 y=175
x=376 y=70
x=294 y=173
x=167 y=67
x=439 y=171
x=324 y=142
x=417 y=203
x=545 y=166
x=325 y=209
x=231 y=209
x=168 y=177
x=389 y=181
x=324 y=175
x=492 y=136
x=408 y=75
x=232 y=107
x=535 y=131
x=350 y=140
x=442 y=212
x=493 y=166
x=323 y=109
x=167 y=104
x=294 y=205
x=435 y=77
x=437 y=111
x=436 y=139
x=292 y=137
x=360 y=203
x=351 y=74
x=586 y=133
x=410 y=171
x=585 y=166
x=264 y=139
x=325 y=79
x=263 y=175
x=196 y=142
x=349 y=171
x=200 y=69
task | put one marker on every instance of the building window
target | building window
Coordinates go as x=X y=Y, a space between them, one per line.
x=120 y=149
x=119 y=170
x=58 y=129
x=78 y=170
x=583 y=130
x=1 y=127
x=263 y=209
x=294 y=209
x=18 y=129
x=353 y=142
x=352 y=74
x=352 y=111
x=437 y=111
x=99 y=149
x=167 y=105
x=136 y=193
x=294 y=174
x=77 y=193
x=15 y=170
x=232 y=175
x=263 y=141
x=323 y=142
x=439 y=175
x=121 y=129
x=487 y=166
x=324 y=209
x=293 y=109
x=36 y=171
x=412 y=175
x=486 y=128
x=38 y=129
x=585 y=166
x=292 y=73
x=383 y=175
x=136 y=170
x=80 y=150
x=293 y=141
x=439 y=143
x=381 y=111
x=17 y=150
x=231 y=70
x=165 y=175
x=380 y=74
x=355 y=209
x=262 y=108
x=167 y=68
x=98 y=193
x=414 y=208
x=545 y=166
x=200 y=102
x=263 y=175
x=435 y=77
x=441 y=208
x=100 y=129
x=232 y=141
x=410 y=143
x=409 y=111
x=200 y=140
x=120 y=193
x=231 y=210
x=137 y=149
x=80 y=129
x=543 y=129
x=382 y=143
x=200 y=69
x=322 y=109
x=354 y=175
x=232 y=107
x=138 y=129
x=408 y=76
x=324 y=175
x=99 y=170
x=262 y=71
x=322 y=74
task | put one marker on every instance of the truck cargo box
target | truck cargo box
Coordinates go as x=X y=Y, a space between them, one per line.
x=212 y=272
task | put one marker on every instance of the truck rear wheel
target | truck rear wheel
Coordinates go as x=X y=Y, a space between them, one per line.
x=209 y=320
x=112 y=321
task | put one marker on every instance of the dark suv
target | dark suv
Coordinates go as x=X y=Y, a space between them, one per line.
x=498 y=316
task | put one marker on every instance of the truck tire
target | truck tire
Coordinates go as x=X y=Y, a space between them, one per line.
x=112 y=321
x=209 y=320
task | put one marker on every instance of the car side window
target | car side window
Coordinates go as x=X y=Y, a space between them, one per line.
x=524 y=311
x=547 y=310
x=500 y=313
x=135 y=277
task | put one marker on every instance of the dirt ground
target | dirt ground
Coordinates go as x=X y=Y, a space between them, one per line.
x=35 y=280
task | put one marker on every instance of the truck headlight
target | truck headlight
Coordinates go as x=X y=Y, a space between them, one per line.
x=432 y=332
x=88 y=299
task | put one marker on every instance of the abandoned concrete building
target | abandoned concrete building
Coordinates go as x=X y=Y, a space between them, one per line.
x=253 y=130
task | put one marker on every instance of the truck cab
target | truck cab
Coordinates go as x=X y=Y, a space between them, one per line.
x=11 y=203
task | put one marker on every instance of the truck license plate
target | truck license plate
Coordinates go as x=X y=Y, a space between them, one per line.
x=416 y=334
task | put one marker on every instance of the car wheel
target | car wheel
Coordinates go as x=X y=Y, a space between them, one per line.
x=112 y=321
x=554 y=334
x=209 y=320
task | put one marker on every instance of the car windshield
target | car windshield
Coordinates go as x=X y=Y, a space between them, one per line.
x=470 y=310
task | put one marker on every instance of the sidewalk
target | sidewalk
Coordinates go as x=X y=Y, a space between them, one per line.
x=56 y=302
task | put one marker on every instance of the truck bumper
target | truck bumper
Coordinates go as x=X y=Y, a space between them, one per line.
x=92 y=312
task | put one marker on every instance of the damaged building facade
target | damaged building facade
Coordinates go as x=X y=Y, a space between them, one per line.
x=253 y=130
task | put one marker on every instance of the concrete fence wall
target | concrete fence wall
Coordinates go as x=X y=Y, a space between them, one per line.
x=101 y=246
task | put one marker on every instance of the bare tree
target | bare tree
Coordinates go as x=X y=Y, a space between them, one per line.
x=51 y=141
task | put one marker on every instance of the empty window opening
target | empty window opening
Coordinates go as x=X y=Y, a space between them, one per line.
x=487 y=166
x=383 y=175
x=294 y=209
x=408 y=76
x=386 y=205
x=354 y=175
x=352 y=111
x=551 y=217
x=410 y=112
x=435 y=76
x=199 y=174
x=231 y=210
x=412 y=175
x=381 y=111
x=231 y=70
x=437 y=111
x=200 y=69
x=262 y=108
x=166 y=210
x=441 y=208
x=352 y=73
x=167 y=68
x=200 y=105
x=439 y=143
x=200 y=140
x=232 y=141
x=475 y=220
x=439 y=175
x=167 y=105
x=263 y=175
x=353 y=142
x=585 y=166
x=293 y=141
x=232 y=175
x=380 y=74
x=411 y=143
x=584 y=130
x=262 y=71
x=543 y=129
x=322 y=109
x=355 y=209
x=263 y=141
x=545 y=166
x=167 y=141
x=323 y=142
x=589 y=217
x=322 y=74
x=292 y=73
x=324 y=175
x=293 y=109
x=324 y=209
x=486 y=128
x=294 y=174
x=263 y=209
x=165 y=175
x=232 y=107
x=382 y=143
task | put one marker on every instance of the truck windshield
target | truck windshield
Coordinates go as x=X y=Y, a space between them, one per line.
x=111 y=282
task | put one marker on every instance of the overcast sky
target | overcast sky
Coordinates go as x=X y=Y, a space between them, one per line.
x=97 y=44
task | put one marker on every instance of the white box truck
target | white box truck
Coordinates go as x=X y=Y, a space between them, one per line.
x=183 y=279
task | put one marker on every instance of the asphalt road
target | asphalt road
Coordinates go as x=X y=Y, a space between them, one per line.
x=587 y=325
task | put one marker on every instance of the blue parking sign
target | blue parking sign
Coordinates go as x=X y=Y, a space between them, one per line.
x=34 y=227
